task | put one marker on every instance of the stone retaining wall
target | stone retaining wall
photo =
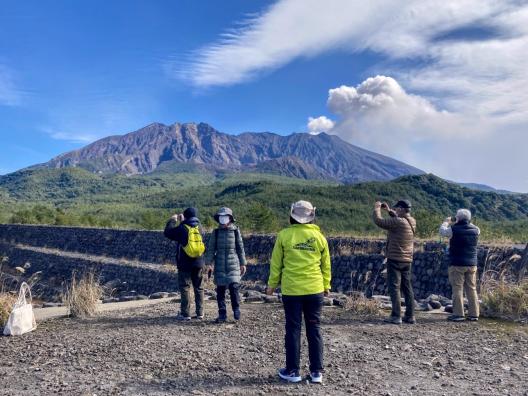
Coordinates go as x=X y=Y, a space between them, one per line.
x=133 y=256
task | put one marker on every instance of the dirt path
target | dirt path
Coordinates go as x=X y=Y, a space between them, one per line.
x=144 y=351
x=43 y=314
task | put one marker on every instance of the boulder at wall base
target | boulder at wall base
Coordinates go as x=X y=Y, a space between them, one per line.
x=272 y=299
x=52 y=305
x=340 y=301
x=110 y=300
x=328 y=302
x=435 y=304
x=448 y=308
x=141 y=297
x=158 y=295
x=127 y=298
x=446 y=301
x=252 y=293
x=254 y=298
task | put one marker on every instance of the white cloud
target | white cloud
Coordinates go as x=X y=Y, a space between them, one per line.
x=464 y=62
x=475 y=75
x=319 y=124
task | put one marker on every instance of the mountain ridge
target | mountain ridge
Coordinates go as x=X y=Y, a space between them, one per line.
x=301 y=155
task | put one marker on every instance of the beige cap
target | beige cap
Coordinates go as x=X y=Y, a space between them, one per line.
x=302 y=211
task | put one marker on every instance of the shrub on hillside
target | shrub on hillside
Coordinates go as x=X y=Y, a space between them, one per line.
x=82 y=295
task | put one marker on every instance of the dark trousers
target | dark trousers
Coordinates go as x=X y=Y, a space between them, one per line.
x=294 y=308
x=185 y=279
x=399 y=277
x=233 y=293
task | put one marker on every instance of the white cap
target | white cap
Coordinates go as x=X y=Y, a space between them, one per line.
x=302 y=211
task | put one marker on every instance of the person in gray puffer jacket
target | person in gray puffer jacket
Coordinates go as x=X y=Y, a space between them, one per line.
x=226 y=250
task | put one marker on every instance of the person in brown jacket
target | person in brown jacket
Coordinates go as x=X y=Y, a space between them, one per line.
x=401 y=229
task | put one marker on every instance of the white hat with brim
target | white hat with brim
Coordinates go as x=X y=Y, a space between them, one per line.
x=303 y=212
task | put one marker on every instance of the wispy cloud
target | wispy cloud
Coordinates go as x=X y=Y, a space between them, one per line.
x=10 y=95
x=97 y=117
x=468 y=54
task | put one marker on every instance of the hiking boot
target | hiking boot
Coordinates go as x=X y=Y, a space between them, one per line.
x=454 y=318
x=393 y=320
x=290 y=375
x=236 y=314
x=182 y=317
x=409 y=319
x=199 y=317
x=316 y=377
x=221 y=319
x=472 y=318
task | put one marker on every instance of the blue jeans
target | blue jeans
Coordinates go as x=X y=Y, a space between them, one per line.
x=294 y=307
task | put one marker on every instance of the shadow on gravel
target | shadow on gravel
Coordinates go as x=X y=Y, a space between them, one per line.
x=361 y=321
x=138 y=321
x=246 y=385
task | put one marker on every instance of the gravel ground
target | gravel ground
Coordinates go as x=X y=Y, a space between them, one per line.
x=144 y=351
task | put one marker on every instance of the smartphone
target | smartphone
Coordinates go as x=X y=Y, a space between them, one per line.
x=384 y=205
x=453 y=219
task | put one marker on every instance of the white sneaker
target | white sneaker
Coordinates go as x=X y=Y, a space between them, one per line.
x=182 y=317
x=316 y=377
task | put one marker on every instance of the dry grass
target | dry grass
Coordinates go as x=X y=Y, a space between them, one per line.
x=361 y=305
x=505 y=300
x=82 y=295
x=7 y=300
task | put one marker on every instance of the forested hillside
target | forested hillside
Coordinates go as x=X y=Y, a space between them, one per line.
x=261 y=202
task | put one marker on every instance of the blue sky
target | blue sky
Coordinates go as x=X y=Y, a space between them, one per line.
x=394 y=80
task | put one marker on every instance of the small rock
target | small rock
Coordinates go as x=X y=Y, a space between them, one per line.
x=448 y=308
x=271 y=299
x=158 y=295
x=51 y=305
x=435 y=304
x=254 y=298
x=127 y=298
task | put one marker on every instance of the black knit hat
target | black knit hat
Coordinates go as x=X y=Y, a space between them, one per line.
x=190 y=212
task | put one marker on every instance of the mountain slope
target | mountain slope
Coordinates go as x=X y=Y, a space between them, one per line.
x=300 y=155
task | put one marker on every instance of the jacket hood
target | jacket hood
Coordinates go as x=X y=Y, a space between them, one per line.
x=192 y=221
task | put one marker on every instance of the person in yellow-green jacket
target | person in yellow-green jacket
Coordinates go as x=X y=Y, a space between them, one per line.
x=300 y=264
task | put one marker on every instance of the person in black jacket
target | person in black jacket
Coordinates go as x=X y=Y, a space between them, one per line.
x=190 y=270
x=462 y=263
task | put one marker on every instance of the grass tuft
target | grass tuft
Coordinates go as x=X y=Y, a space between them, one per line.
x=82 y=295
x=361 y=305
x=7 y=300
x=504 y=300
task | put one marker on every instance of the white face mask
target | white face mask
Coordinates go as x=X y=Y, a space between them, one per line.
x=223 y=220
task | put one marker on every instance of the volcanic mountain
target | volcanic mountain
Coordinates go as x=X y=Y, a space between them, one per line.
x=299 y=155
